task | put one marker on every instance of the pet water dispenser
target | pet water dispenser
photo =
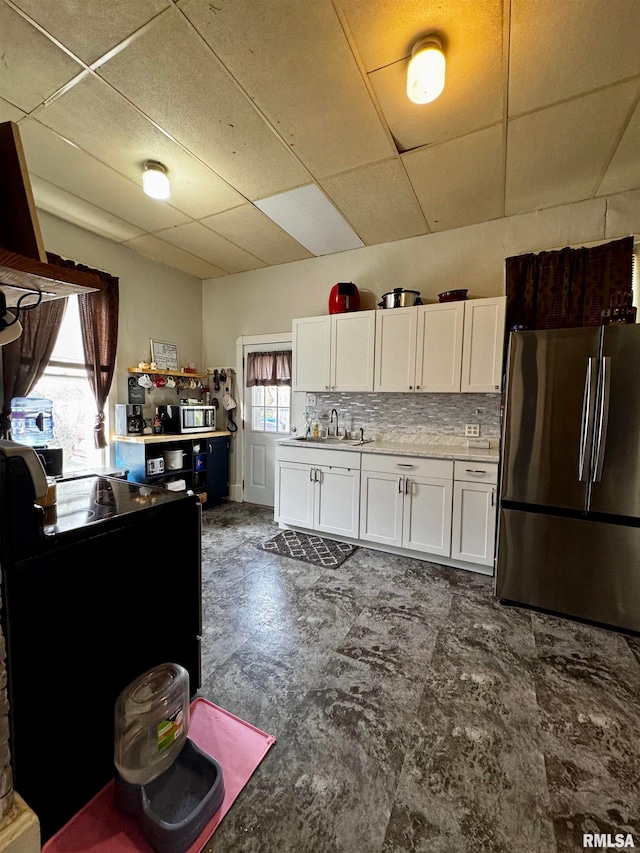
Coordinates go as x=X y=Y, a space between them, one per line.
x=166 y=782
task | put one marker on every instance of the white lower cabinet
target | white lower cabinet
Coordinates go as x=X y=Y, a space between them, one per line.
x=474 y=513
x=318 y=494
x=437 y=507
x=407 y=503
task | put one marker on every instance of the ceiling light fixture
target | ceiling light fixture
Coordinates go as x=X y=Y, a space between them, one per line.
x=155 y=181
x=425 y=75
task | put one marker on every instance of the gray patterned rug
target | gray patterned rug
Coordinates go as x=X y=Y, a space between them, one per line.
x=309 y=548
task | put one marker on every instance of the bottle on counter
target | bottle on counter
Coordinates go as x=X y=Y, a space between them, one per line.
x=158 y=426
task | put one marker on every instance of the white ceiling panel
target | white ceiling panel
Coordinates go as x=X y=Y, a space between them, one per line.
x=248 y=227
x=99 y=120
x=378 y=201
x=60 y=163
x=173 y=77
x=32 y=67
x=160 y=250
x=313 y=74
x=552 y=172
x=8 y=112
x=63 y=204
x=624 y=170
x=203 y=243
x=308 y=215
x=103 y=24
x=559 y=50
x=459 y=182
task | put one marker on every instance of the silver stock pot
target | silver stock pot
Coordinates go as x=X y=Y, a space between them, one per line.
x=400 y=298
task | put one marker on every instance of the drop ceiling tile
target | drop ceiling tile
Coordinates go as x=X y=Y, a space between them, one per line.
x=459 y=182
x=203 y=243
x=473 y=94
x=378 y=201
x=308 y=215
x=249 y=228
x=69 y=207
x=99 y=120
x=558 y=155
x=559 y=50
x=8 y=112
x=104 y=25
x=312 y=74
x=172 y=256
x=624 y=170
x=67 y=166
x=32 y=66
x=173 y=77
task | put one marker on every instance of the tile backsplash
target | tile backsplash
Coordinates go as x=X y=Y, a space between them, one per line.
x=428 y=418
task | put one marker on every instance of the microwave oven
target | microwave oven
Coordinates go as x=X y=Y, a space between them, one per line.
x=188 y=418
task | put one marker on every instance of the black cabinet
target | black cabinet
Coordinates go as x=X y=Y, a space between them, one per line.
x=204 y=467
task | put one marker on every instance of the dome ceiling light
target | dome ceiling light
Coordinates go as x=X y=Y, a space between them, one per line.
x=426 y=72
x=155 y=181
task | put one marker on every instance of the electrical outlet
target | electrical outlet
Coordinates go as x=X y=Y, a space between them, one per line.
x=472 y=430
x=312 y=401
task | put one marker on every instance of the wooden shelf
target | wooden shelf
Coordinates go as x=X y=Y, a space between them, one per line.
x=20 y=275
x=158 y=372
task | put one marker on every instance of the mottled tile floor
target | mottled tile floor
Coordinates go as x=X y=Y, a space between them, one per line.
x=412 y=711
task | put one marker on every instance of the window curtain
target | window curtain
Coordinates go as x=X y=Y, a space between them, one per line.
x=25 y=359
x=269 y=368
x=570 y=287
x=99 y=326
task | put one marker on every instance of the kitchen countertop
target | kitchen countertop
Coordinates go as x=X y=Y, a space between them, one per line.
x=169 y=436
x=404 y=448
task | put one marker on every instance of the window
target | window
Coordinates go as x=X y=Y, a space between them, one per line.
x=74 y=406
x=270 y=408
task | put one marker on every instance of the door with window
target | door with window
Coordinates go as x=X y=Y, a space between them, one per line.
x=267 y=411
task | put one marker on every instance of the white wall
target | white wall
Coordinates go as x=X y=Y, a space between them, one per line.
x=155 y=302
x=266 y=300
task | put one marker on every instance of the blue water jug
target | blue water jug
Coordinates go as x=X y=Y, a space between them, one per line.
x=32 y=421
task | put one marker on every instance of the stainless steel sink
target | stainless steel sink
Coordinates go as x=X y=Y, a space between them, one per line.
x=351 y=442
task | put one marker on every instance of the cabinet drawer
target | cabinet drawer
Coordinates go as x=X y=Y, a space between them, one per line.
x=318 y=456
x=476 y=472
x=441 y=468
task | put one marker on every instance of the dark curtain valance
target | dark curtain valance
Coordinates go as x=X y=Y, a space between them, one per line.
x=269 y=368
x=570 y=287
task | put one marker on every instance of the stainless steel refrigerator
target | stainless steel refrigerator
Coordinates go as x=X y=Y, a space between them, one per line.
x=569 y=530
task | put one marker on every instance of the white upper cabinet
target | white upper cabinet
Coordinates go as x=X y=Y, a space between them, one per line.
x=446 y=348
x=395 y=349
x=439 y=347
x=311 y=353
x=334 y=352
x=483 y=345
x=352 y=351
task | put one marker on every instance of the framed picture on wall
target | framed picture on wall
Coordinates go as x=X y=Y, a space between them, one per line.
x=165 y=355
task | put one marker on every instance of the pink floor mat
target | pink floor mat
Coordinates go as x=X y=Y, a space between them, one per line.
x=237 y=746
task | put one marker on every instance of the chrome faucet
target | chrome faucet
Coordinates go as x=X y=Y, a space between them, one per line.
x=334 y=412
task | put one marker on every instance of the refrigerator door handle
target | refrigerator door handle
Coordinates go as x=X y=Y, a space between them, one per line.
x=584 y=424
x=603 y=417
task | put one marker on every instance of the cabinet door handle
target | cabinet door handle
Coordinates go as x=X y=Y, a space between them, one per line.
x=410 y=387
x=317 y=476
x=417 y=387
x=407 y=486
x=311 y=470
x=404 y=465
x=400 y=479
x=476 y=470
x=493 y=497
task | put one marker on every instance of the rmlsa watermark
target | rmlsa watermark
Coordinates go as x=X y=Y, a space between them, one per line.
x=607 y=841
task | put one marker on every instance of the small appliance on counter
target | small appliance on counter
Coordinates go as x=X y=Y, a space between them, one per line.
x=188 y=417
x=344 y=297
x=400 y=298
x=129 y=420
x=163 y=780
